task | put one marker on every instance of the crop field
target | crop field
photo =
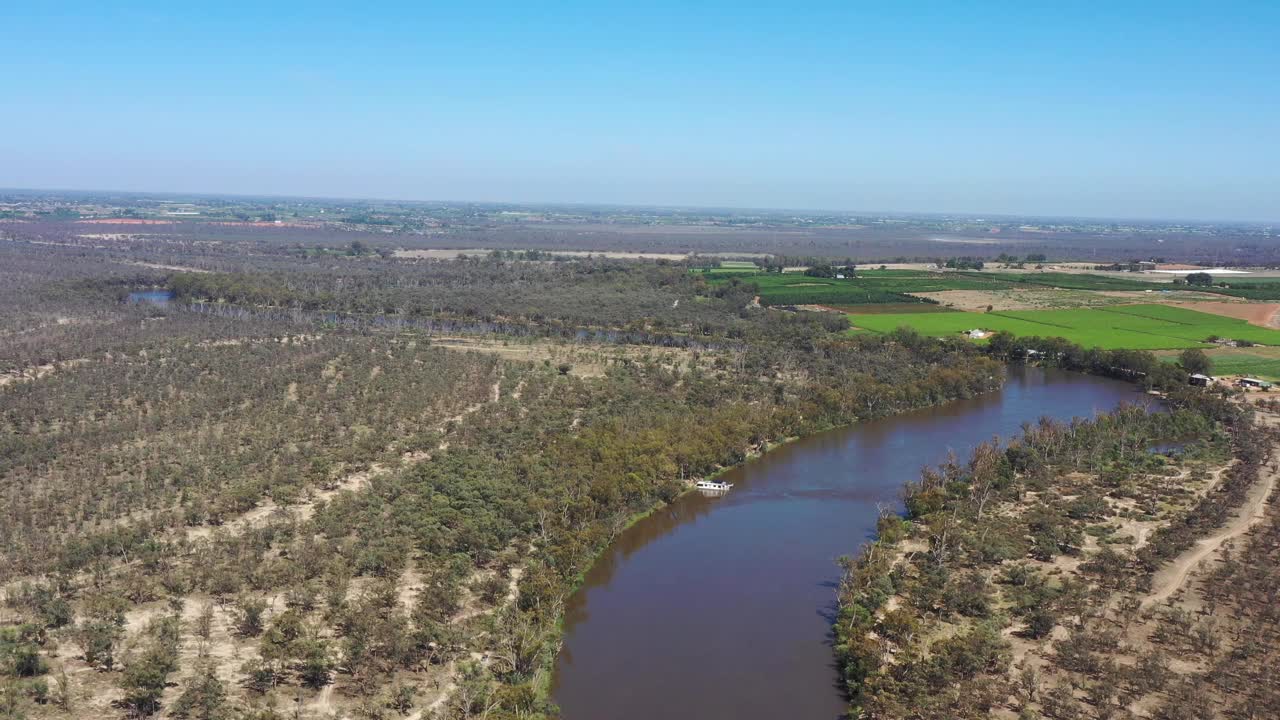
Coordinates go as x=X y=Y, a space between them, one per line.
x=1267 y=289
x=1135 y=327
x=890 y=308
x=870 y=287
x=1247 y=364
x=895 y=286
x=736 y=267
x=1078 y=281
x=1260 y=362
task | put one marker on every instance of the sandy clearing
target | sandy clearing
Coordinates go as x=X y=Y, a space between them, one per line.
x=1170 y=296
x=439 y=253
x=621 y=255
x=1260 y=314
x=449 y=254
x=123 y=221
x=975 y=241
x=353 y=482
x=585 y=360
x=160 y=266
x=527 y=352
x=1031 y=298
x=821 y=308
x=1048 y=298
x=40 y=371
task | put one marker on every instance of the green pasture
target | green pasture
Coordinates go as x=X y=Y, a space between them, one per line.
x=1132 y=327
x=891 y=286
x=879 y=287
x=869 y=287
x=736 y=266
x=1233 y=361
x=1078 y=281
x=1263 y=289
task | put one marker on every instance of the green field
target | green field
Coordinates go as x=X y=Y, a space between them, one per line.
x=892 y=286
x=1233 y=361
x=1078 y=281
x=1262 y=362
x=736 y=267
x=888 y=287
x=1264 y=289
x=1133 y=327
x=868 y=288
x=889 y=308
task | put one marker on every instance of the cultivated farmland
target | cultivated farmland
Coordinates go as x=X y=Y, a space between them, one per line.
x=898 y=286
x=1261 y=362
x=868 y=287
x=1136 y=327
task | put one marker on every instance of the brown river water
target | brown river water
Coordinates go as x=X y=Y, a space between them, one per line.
x=722 y=607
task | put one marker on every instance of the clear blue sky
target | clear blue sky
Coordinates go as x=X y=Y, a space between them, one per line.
x=1119 y=109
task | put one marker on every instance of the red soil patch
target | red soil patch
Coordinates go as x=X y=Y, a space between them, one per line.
x=1260 y=314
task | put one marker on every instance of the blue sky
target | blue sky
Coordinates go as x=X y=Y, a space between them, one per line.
x=1117 y=109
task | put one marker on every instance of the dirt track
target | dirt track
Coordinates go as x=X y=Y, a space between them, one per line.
x=1172 y=577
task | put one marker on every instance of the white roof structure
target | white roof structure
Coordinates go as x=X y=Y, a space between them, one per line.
x=1208 y=271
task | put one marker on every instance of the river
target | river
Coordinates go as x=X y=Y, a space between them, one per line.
x=722 y=607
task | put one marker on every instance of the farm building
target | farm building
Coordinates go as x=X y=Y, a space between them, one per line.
x=1199 y=380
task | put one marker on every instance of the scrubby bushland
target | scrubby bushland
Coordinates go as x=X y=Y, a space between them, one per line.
x=1025 y=538
x=314 y=505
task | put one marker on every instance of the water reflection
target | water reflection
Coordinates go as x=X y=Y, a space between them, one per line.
x=151 y=297
x=722 y=607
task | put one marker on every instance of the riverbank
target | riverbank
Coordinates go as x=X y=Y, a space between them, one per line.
x=1002 y=589
x=690 y=586
x=751 y=454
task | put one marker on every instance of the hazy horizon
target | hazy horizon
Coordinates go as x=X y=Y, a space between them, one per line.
x=969 y=214
x=1161 y=113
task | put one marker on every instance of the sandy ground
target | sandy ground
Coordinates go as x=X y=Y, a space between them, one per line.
x=820 y=308
x=585 y=360
x=1191 y=298
x=979 y=300
x=453 y=253
x=441 y=254
x=1045 y=298
x=40 y=371
x=124 y=221
x=1173 y=577
x=158 y=266
x=975 y=241
x=1261 y=314
x=621 y=255
x=353 y=482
